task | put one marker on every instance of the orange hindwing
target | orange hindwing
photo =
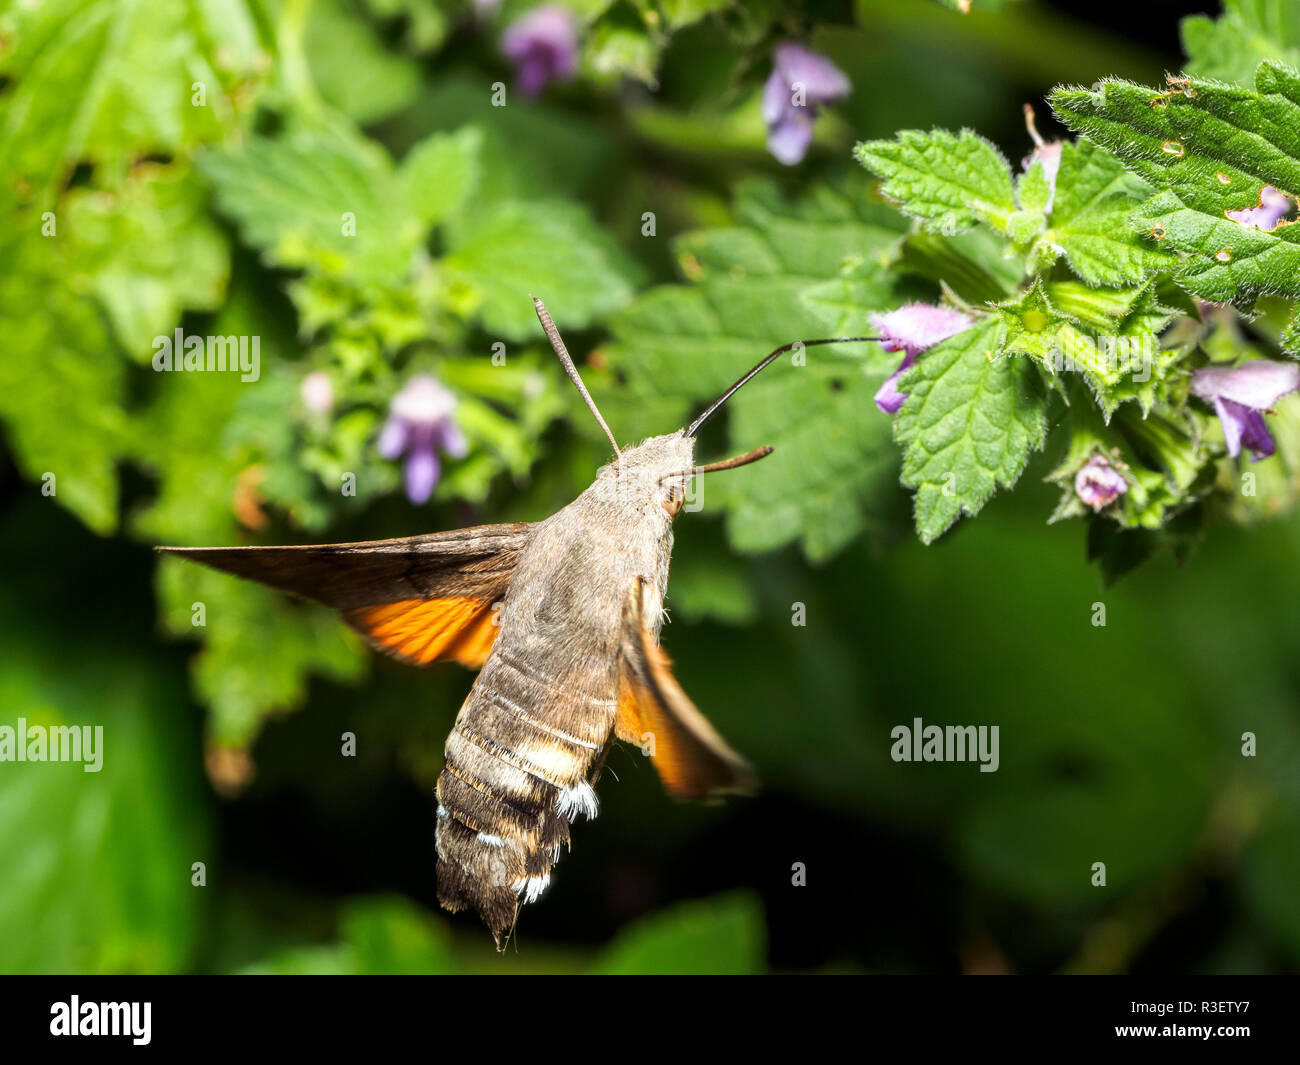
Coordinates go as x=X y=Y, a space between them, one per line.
x=429 y=630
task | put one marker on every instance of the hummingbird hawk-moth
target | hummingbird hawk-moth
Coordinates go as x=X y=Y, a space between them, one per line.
x=561 y=617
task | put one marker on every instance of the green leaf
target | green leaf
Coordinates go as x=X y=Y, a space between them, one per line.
x=1107 y=335
x=832 y=471
x=353 y=67
x=615 y=50
x=148 y=251
x=1033 y=189
x=427 y=24
x=1290 y=339
x=974 y=265
x=1230 y=47
x=549 y=248
x=97 y=864
x=440 y=172
x=62 y=392
x=181 y=441
x=968 y=426
x=528 y=152
x=321 y=196
x=949 y=182
x=105 y=263
x=1158 y=461
x=379 y=936
x=681 y=13
x=111 y=79
x=1032 y=326
x=839 y=303
x=793 y=270
x=1090 y=220
x=713 y=936
x=1209 y=149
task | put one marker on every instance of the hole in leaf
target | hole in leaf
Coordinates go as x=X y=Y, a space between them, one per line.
x=82 y=175
x=267 y=123
x=1274 y=208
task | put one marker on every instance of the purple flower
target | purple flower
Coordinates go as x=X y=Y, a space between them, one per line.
x=419 y=424
x=1240 y=395
x=1098 y=483
x=1273 y=207
x=911 y=329
x=800 y=82
x=317 y=392
x=543 y=45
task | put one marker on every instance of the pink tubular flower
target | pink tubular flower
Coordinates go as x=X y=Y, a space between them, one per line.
x=1273 y=207
x=420 y=424
x=543 y=45
x=1046 y=152
x=1049 y=154
x=800 y=82
x=317 y=392
x=1240 y=395
x=911 y=329
x=1098 y=483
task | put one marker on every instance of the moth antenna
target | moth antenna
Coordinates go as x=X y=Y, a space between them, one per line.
x=712 y=407
x=562 y=353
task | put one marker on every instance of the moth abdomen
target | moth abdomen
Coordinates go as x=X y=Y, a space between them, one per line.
x=471 y=878
x=511 y=784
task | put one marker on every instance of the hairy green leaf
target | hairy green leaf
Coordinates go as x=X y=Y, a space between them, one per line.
x=1209 y=149
x=1109 y=336
x=950 y=182
x=1090 y=219
x=1230 y=47
x=969 y=424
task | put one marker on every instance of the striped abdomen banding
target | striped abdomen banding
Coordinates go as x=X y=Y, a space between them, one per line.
x=512 y=784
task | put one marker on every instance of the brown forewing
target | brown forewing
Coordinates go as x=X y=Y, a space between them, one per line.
x=418 y=598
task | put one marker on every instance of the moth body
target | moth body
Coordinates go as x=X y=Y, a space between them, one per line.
x=530 y=738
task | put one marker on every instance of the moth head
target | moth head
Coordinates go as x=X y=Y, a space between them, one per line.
x=660 y=469
x=655 y=473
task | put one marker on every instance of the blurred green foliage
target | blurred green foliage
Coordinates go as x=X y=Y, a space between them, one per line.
x=133 y=204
